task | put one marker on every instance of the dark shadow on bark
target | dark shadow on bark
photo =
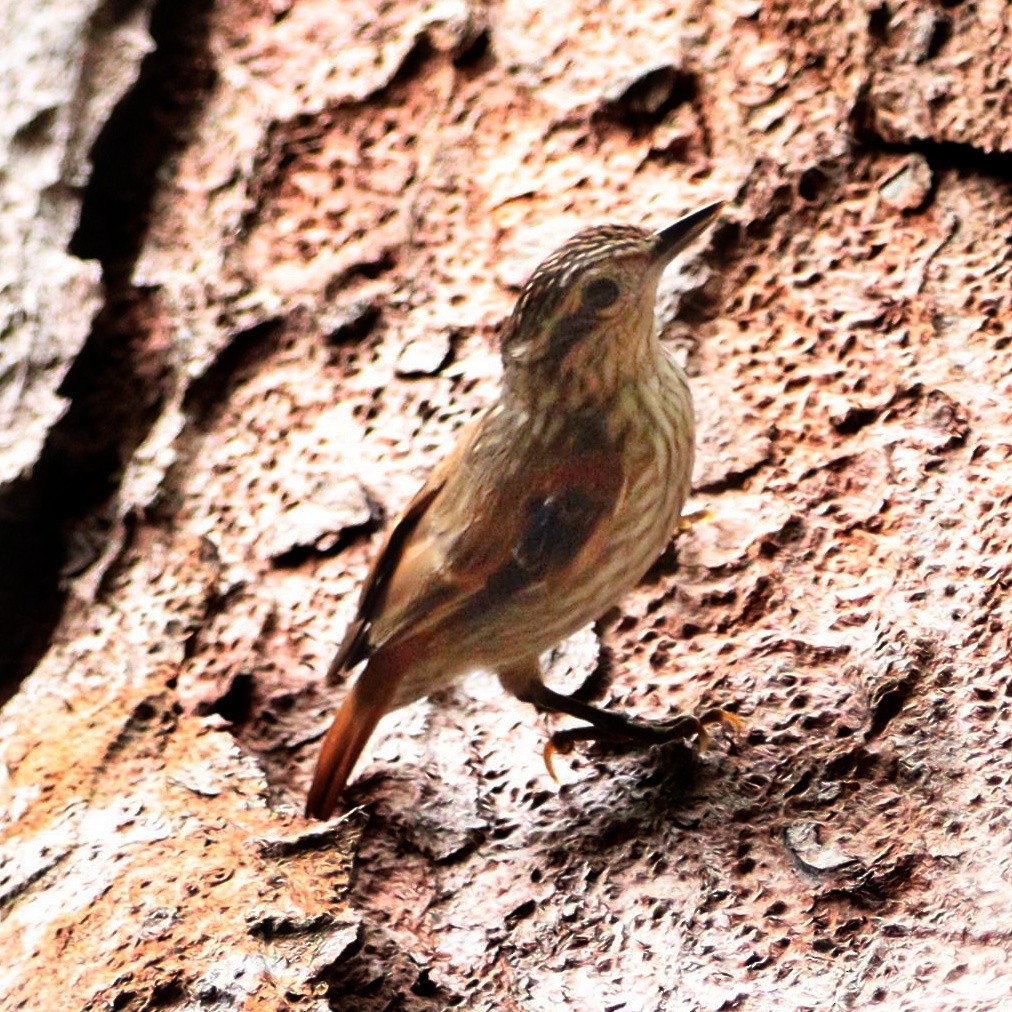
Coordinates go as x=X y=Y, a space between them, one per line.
x=54 y=521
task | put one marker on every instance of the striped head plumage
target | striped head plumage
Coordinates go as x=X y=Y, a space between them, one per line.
x=597 y=287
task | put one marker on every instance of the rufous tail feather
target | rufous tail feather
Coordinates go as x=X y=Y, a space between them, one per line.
x=354 y=723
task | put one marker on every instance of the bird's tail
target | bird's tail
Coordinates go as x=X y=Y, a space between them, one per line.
x=355 y=721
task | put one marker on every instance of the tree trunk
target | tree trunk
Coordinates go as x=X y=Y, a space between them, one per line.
x=254 y=262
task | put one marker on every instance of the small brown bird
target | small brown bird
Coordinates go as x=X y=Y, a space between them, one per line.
x=554 y=503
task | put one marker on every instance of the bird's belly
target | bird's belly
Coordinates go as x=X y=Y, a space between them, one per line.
x=640 y=529
x=536 y=619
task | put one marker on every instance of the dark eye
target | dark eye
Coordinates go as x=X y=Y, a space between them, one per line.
x=600 y=293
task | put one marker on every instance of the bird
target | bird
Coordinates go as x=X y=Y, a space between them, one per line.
x=553 y=504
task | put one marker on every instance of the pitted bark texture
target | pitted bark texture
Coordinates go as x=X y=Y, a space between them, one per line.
x=298 y=309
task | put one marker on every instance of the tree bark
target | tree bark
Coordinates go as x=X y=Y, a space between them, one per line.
x=254 y=262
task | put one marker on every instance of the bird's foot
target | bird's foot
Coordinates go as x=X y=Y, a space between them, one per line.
x=681 y=728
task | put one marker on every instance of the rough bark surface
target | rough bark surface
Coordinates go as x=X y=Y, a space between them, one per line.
x=254 y=260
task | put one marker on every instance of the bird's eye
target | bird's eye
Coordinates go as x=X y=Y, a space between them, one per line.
x=600 y=293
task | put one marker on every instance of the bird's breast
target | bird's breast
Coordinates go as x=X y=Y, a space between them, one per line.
x=660 y=441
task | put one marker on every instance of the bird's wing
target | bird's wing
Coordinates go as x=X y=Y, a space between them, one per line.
x=499 y=525
x=357 y=643
x=477 y=536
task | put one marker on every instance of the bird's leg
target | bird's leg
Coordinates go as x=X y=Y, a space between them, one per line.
x=524 y=681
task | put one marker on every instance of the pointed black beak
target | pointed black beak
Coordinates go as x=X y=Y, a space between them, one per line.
x=676 y=237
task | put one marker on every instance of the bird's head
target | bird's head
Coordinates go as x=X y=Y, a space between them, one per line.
x=592 y=301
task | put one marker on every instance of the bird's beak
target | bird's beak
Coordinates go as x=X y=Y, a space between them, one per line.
x=674 y=238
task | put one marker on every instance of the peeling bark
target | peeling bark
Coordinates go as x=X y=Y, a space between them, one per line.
x=253 y=265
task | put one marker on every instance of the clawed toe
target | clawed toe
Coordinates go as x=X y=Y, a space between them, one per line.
x=716 y=715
